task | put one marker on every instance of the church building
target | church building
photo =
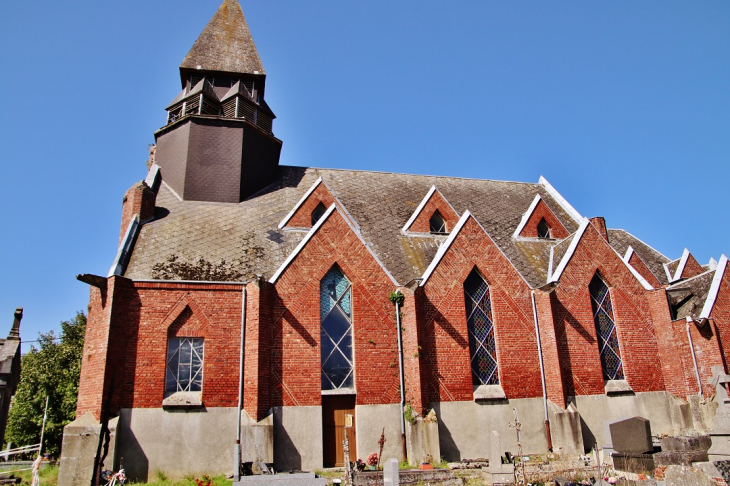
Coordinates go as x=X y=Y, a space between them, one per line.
x=240 y=280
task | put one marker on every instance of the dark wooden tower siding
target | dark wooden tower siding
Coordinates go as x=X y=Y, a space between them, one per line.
x=217 y=144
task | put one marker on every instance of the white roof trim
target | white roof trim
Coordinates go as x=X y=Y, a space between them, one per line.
x=550 y=263
x=571 y=249
x=712 y=265
x=447 y=244
x=298 y=205
x=667 y=272
x=444 y=247
x=629 y=253
x=311 y=233
x=714 y=288
x=125 y=246
x=172 y=191
x=682 y=264
x=422 y=204
x=644 y=283
x=560 y=200
x=526 y=216
x=153 y=176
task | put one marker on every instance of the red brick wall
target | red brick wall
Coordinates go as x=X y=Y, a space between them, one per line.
x=576 y=331
x=443 y=328
x=639 y=265
x=257 y=371
x=436 y=202
x=557 y=230
x=296 y=320
x=555 y=382
x=302 y=218
x=692 y=268
x=720 y=316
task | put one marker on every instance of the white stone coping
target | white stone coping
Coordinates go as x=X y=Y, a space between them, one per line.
x=618 y=386
x=183 y=400
x=340 y=391
x=489 y=392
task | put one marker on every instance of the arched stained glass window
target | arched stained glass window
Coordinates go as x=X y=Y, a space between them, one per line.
x=606 y=329
x=335 y=303
x=437 y=223
x=482 y=345
x=318 y=213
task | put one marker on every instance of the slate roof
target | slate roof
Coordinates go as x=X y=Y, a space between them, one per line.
x=687 y=298
x=225 y=44
x=620 y=240
x=191 y=240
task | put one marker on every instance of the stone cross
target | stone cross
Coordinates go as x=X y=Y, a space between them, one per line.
x=390 y=472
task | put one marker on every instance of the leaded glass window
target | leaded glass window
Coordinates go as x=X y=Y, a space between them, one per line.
x=480 y=325
x=335 y=302
x=606 y=329
x=184 y=365
x=437 y=223
x=318 y=213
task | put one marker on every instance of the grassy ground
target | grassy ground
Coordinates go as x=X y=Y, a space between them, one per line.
x=49 y=477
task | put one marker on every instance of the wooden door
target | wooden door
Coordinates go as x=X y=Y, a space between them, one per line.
x=334 y=409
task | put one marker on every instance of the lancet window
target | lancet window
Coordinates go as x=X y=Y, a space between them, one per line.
x=336 y=330
x=437 y=223
x=606 y=330
x=318 y=213
x=543 y=230
x=480 y=324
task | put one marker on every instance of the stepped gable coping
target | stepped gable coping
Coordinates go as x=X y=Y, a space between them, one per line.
x=714 y=288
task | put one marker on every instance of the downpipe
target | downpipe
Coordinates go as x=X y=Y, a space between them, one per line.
x=402 y=380
x=542 y=373
x=237 y=447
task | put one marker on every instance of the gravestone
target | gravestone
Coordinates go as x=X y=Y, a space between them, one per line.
x=720 y=432
x=390 y=472
x=631 y=436
x=498 y=472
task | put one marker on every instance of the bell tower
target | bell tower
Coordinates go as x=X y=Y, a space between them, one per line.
x=218 y=144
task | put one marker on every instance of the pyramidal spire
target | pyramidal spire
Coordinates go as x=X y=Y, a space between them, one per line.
x=225 y=44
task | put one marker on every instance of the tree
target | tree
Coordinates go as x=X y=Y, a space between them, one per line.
x=52 y=370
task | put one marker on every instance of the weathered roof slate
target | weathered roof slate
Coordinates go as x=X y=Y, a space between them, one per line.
x=620 y=240
x=207 y=241
x=688 y=296
x=225 y=44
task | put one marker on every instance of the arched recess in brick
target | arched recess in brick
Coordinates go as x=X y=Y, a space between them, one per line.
x=186 y=319
x=433 y=201
x=443 y=326
x=538 y=213
x=296 y=317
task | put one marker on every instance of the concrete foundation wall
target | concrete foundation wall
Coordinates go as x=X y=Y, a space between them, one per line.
x=465 y=427
x=370 y=422
x=298 y=438
x=78 y=451
x=177 y=442
x=662 y=409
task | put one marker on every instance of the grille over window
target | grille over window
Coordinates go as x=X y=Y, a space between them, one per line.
x=543 y=230
x=606 y=329
x=335 y=302
x=480 y=325
x=437 y=223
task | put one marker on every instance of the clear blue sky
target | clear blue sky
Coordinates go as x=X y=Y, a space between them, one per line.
x=623 y=106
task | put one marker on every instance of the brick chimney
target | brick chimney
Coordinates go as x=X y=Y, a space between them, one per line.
x=599 y=223
x=138 y=201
